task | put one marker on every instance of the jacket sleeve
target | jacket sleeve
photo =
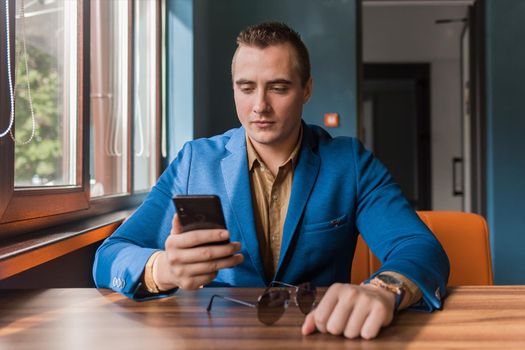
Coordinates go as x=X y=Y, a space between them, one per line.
x=120 y=260
x=394 y=232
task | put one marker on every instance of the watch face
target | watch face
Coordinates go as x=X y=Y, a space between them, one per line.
x=390 y=280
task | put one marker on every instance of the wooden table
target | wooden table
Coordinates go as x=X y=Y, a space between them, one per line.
x=474 y=317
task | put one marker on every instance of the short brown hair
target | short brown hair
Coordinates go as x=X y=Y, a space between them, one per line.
x=272 y=33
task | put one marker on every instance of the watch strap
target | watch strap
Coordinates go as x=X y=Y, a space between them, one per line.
x=393 y=285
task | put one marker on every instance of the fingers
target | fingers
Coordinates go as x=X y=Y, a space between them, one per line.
x=192 y=261
x=326 y=307
x=374 y=322
x=194 y=275
x=195 y=282
x=201 y=254
x=356 y=320
x=344 y=308
x=191 y=266
x=309 y=324
x=208 y=267
x=176 y=226
x=195 y=238
x=318 y=317
x=350 y=310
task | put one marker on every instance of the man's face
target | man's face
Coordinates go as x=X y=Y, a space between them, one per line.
x=268 y=93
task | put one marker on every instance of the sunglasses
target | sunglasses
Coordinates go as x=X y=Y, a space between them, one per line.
x=272 y=303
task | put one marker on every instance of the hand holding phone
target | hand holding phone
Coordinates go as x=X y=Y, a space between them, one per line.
x=198 y=245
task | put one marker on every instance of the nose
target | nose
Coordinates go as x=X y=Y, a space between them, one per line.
x=261 y=104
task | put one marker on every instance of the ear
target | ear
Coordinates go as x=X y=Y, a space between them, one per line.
x=307 y=90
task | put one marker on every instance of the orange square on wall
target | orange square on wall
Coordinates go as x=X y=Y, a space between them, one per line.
x=331 y=120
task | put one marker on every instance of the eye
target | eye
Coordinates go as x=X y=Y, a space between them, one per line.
x=246 y=89
x=280 y=89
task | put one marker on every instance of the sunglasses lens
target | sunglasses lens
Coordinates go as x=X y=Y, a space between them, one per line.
x=271 y=305
x=306 y=297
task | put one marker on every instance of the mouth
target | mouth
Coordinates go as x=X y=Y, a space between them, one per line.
x=262 y=123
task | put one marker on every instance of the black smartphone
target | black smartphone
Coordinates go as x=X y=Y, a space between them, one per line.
x=200 y=212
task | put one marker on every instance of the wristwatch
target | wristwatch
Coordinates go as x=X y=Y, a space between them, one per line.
x=391 y=284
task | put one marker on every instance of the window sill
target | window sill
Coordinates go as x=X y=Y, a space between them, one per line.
x=23 y=253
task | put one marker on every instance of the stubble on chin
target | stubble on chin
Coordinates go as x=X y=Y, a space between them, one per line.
x=261 y=139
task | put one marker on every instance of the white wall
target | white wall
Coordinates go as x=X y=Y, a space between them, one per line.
x=446 y=132
x=405 y=34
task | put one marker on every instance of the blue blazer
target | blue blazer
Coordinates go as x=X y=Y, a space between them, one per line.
x=339 y=190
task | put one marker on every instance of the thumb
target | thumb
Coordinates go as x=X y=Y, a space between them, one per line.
x=176 y=226
x=309 y=324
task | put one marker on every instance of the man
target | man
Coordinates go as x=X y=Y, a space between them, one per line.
x=294 y=201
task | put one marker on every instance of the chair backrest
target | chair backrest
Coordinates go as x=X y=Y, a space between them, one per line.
x=465 y=238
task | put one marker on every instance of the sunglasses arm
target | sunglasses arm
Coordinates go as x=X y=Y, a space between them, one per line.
x=230 y=299
x=282 y=284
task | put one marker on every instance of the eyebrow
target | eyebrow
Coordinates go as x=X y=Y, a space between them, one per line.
x=243 y=81
x=275 y=81
x=280 y=81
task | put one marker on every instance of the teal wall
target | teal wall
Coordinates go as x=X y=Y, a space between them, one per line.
x=505 y=31
x=327 y=27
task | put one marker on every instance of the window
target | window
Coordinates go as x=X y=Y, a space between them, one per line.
x=45 y=90
x=146 y=53
x=83 y=138
x=110 y=62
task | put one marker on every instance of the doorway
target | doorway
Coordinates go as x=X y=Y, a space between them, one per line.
x=437 y=156
x=396 y=125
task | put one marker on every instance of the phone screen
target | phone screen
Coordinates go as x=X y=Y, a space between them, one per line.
x=200 y=212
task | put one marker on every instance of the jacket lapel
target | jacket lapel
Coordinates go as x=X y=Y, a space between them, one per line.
x=305 y=175
x=237 y=182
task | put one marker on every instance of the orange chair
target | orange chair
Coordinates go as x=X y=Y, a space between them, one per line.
x=465 y=238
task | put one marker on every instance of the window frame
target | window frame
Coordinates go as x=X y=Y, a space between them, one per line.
x=27 y=209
